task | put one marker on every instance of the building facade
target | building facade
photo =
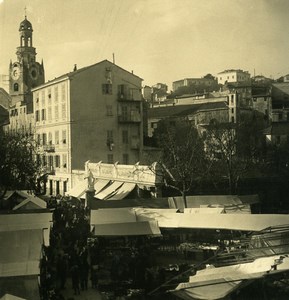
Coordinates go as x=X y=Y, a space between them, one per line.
x=94 y=113
x=233 y=76
x=193 y=82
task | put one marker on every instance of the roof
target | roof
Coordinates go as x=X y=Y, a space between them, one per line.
x=31 y=202
x=74 y=73
x=25 y=24
x=198 y=201
x=183 y=110
x=237 y=222
x=233 y=70
x=15 y=221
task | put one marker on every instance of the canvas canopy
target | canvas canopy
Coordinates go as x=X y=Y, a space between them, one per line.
x=244 y=222
x=10 y=297
x=32 y=202
x=213 y=201
x=127 y=229
x=20 y=252
x=216 y=283
x=109 y=216
x=26 y=221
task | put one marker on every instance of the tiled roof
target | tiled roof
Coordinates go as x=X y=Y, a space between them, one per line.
x=73 y=73
x=183 y=110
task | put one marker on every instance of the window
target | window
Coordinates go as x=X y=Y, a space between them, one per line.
x=43 y=98
x=44 y=138
x=44 y=160
x=57 y=137
x=37 y=118
x=124 y=113
x=43 y=117
x=125 y=136
x=107 y=89
x=125 y=159
x=16 y=87
x=232 y=119
x=57 y=161
x=109 y=135
x=122 y=91
x=63 y=110
x=56 y=113
x=49 y=96
x=280 y=116
x=64 y=136
x=110 y=158
x=49 y=113
x=63 y=92
x=109 y=110
x=64 y=160
x=232 y=110
x=50 y=138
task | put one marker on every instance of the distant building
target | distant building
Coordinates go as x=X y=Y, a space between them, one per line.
x=94 y=113
x=193 y=82
x=233 y=76
x=286 y=78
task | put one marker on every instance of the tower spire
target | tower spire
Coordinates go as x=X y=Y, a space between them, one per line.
x=25 y=12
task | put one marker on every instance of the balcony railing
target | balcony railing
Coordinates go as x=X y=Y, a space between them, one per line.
x=128 y=97
x=133 y=118
x=49 y=148
x=48 y=170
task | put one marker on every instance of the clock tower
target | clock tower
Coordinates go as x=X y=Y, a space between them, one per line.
x=26 y=73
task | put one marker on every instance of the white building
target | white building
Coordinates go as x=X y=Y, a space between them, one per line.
x=233 y=76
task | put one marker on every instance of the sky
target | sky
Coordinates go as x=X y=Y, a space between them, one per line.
x=159 y=40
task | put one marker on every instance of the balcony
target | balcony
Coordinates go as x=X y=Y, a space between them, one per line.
x=128 y=97
x=48 y=170
x=49 y=148
x=132 y=118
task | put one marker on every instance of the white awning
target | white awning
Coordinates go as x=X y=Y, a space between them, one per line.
x=20 y=252
x=126 y=229
x=122 y=192
x=113 y=215
x=217 y=283
x=205 y=210
x=109 y=191
x=78 y=190
x=242 y=222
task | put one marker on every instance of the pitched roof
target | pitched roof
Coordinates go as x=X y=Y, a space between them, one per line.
x=73 y=73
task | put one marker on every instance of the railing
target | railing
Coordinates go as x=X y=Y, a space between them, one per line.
x=49 y=148
x=133 y=118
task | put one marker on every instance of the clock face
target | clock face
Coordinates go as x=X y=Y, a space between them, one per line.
x=15 y=73
x=34 y=73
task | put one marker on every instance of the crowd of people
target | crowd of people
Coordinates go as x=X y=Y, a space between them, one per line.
x=67 y=255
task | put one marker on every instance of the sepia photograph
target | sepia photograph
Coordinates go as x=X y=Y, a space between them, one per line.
x=144 y=150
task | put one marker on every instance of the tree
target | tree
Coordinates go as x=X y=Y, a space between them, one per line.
x=18 y=167
x=236 y=150
x=182 y=155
